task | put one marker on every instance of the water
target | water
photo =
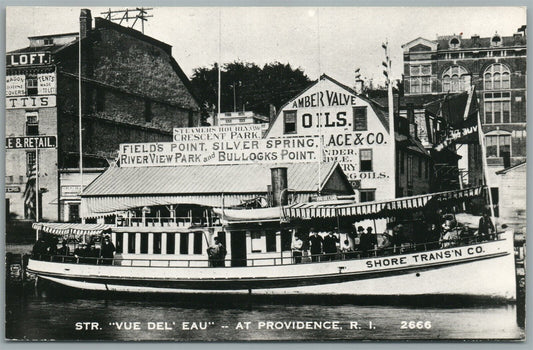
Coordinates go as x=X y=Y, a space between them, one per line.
x=55 y=314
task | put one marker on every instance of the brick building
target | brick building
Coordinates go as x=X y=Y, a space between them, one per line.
x=133 y=90
x=496 y=66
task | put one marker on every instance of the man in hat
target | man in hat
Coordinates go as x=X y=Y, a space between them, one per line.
x=486 y=227
x=107 y=251
x=216 y=253
x=316 y=241
x=330 y=246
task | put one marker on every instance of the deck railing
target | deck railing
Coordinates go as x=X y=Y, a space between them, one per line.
x=399 y=249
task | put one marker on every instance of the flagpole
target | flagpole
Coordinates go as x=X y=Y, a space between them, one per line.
x=320 y=145
x=37 y=206
x=218 y=65
x=485 y=168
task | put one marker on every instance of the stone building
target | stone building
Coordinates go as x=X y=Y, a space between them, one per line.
x=496 y=66
x=133 y=90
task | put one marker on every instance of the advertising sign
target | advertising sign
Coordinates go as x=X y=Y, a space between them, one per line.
x=30 y=102
x=31 y=142
x=219 y=133
x=46 y=84
x=265 y=151
x=15 y=85
x=27 y=59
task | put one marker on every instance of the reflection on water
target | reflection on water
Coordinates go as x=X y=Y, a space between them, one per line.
x=65 y=315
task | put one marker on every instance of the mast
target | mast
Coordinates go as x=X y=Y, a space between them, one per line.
x=79 y=113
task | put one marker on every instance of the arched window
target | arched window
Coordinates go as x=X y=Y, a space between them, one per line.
x=454 y=43
x=497 y=76
x=455 y=79
x=496 y=40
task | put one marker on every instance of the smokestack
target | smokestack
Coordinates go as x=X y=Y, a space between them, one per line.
x=280 y=195
x=85 y=22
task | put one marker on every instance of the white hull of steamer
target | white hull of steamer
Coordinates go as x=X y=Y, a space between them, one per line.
x=482 y=270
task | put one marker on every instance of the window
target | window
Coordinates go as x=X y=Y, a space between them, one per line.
x=197 y=244
x=402 y=162
x=426 y=169
x=32 y=123
x=360 y=119
x=74 y=213
x=271 y=241
x=497 y=76
x=9 y=179
x=131 y=243
x=144 y=243
x=420 y=160
x=289 y=122
x=157 y=243
x=497 y=107
x=227 y=114
x=48 y=42
x=228 y=121
x=365 y=160
x=171 y=242
x=30 y=163
x=147 y=111
x=242 y=120
x=184 y=243
x=420 y=81
x=496 y=41
x=190 y=121
x=367 y=195
x=455 y=43
x=498 y=143
x=455 y=79
x=257 y=242
x=31 y=84
x=119 y=242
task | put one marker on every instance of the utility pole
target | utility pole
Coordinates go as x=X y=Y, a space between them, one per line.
x=136 y=14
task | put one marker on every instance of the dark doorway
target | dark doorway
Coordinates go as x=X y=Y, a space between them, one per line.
x=238 y=248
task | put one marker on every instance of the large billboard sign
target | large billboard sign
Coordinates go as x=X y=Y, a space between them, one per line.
x=264 y=151
x=28 y=142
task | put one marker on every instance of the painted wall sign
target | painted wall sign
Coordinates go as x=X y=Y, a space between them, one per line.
x=28 y=59
x=46 y=84
x=31 y=142
x=269 y=151
x=15 y=85
x=30 y=102
x=219 y=133
x=324 y=98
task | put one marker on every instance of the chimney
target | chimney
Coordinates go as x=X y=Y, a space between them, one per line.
x=359 y=86
x=85 y=22
x=475 y=40
x=280 y=195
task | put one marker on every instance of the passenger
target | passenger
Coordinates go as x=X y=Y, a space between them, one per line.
x=330 y=246
x=64 y=250
x=107 y=251
x=316 y=242
x=216 y=254
x=486 y=227
x=297 y=246
x=366 y=244
x=40 y=248
x=82 y=252
x=386 y=244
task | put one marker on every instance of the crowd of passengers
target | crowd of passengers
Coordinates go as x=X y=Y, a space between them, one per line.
x=47 y=247
x=445 y=232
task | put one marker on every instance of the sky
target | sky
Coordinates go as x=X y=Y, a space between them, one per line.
x=330 y=40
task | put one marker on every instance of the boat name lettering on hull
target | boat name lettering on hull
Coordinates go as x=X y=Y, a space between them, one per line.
x=425 y=257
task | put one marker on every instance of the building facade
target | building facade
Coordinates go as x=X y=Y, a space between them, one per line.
x=496 y=66
x=355 y=133
x=132 y=91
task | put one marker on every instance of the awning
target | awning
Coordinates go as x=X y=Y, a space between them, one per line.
x=64 y=229
x=378 y=209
